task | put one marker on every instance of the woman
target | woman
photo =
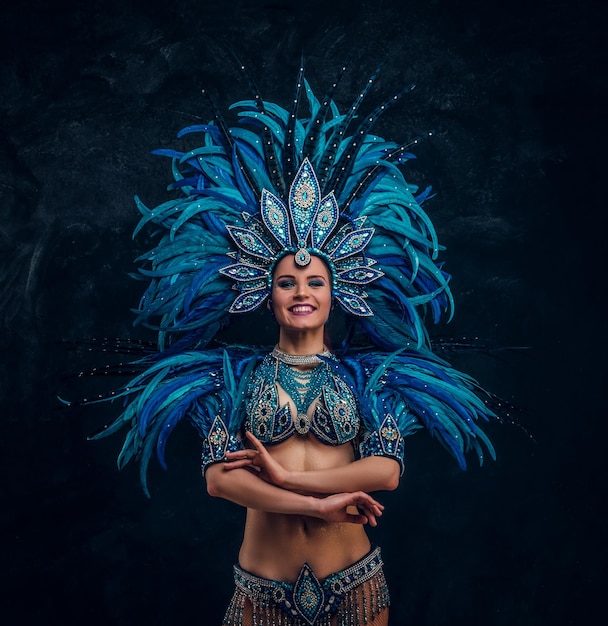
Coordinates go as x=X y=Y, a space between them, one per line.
x=286 y=530
x=303 y=214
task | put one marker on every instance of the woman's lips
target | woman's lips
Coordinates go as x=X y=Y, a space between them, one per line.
x=302 y=309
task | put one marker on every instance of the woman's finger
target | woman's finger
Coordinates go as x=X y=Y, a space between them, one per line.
x=257 y=444
x=241 y=454
x=230 y=465
x=356 y=519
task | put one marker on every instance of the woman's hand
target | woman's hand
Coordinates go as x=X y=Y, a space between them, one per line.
x=258 y=460
x=335 y=508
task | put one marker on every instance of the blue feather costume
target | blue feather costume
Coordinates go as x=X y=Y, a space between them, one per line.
x=218 y=186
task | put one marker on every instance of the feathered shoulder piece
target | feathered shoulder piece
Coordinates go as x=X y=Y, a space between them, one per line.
x=206 y=388
x=407 y=390
x=419 y=390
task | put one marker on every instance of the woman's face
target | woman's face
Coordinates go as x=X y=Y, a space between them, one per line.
x=301 y=296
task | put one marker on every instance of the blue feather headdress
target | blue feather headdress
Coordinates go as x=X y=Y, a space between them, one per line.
x=280 y=183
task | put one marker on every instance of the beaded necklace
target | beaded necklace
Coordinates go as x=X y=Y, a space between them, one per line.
x=303 y=388
x=299 y=359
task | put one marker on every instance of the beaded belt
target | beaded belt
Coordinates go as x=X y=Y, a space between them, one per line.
x=309 y=598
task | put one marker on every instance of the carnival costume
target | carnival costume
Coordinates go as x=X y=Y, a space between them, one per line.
x=321 y=185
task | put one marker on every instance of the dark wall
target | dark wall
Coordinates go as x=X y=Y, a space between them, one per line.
x=516 y=94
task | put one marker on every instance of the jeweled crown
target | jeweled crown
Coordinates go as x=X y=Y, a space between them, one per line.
x=307 y=226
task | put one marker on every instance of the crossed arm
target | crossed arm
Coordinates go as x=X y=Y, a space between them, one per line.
x=254 y=479
x=245 y=488
x=373 y=473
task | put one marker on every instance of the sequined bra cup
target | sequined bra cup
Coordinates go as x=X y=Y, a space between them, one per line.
x=334 y=421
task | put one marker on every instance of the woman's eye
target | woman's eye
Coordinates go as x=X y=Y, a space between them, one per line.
x=285 y=284
x=316 y=283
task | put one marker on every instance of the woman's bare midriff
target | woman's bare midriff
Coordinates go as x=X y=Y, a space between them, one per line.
x=275 y=546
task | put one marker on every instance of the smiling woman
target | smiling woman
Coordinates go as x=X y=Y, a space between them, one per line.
x=302 y=433
x=301 y=301
x=302 y=214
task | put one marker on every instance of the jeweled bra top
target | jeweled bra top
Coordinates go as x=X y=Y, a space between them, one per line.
x=334 y=420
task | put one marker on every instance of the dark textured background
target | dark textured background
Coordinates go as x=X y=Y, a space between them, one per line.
x=517 y=93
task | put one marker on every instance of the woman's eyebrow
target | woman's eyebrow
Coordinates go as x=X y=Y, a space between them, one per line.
x=318 y=276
